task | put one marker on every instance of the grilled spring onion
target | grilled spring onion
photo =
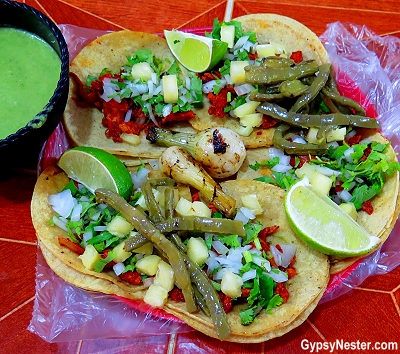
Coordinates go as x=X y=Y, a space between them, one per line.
x=179 y=165
x=220 y=150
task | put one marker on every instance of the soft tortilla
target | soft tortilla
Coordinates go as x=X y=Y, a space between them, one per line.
x=83 y=125
x=283 y=30
x=51 y=181
x=386 y=205
x=305 y=288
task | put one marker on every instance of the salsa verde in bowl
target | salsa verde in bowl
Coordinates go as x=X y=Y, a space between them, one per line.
x=34 y=69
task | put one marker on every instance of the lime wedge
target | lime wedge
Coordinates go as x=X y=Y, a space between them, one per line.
x=196 y=53
x=96 y=168
x=323 y=225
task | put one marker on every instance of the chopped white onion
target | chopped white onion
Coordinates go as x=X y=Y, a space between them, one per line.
x=240 y=43
x=244 y=215
x=350 y=134
x=277 y=275
x=261 y=262
x=298 y=139
x=62 y=202
x=281 y=168
x=228 y=79
x=220 y=247
x=60 y=222
x=151 y=115
x=118 y=268
x=276 y=254
x=140 y=177
x=251 y=274
x=243 y=89
x=347 y=154
x=288 y=252
x=344 y=195
x=87 y=236
x=187 y=82
x=220 y=273
x=273 y=152
x=208 y=86
x=128 y=115
x=76 y=212
x=167 y=109
x=148 y=282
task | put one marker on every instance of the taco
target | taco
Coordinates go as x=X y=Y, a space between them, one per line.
x=297 y=296
x=282 y=37
x=117 y=122
x=371 y=190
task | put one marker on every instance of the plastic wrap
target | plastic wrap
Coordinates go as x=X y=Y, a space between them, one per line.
x=367 y=69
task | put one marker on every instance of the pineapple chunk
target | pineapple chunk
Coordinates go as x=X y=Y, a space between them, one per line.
x=246 y=108
x=186 y=208
x=131 y=139
x=200 y=209
x=197 y=250
x=237 y=71
x=337 y=134
x=148 y=264
x=156 y=296
x=252 y=120
x=170 y=88
x=165 y=276
x=122 y=255
x=251 y=202
x=350 y=209
x=119 y=227
x=244 y=131
x=89 y=257
x=142 y=71
x=231 y=284
x=319 y=181
x=312 y=136
x=228 y=35
x=270 y=50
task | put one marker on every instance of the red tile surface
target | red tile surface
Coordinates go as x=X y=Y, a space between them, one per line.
x=17 y=274
x=370 y=313
x=15 y=200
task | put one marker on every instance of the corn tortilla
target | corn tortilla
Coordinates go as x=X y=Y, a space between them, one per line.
x=305 y=288
x=386 y=205
x=83 y=125
x=289 y=33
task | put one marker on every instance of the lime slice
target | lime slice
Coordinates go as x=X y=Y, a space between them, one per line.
x=196 y=53
x=96 y=168
x=323 y=225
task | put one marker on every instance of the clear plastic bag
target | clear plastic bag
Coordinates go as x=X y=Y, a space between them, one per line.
x=367 y=69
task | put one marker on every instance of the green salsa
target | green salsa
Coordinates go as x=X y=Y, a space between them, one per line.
x=29 y=72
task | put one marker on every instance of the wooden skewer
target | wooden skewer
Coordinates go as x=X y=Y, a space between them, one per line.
x=229 y=10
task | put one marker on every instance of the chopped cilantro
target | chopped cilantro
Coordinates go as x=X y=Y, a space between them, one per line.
x=230 y=241
x=252 y=231
x=101 y=263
